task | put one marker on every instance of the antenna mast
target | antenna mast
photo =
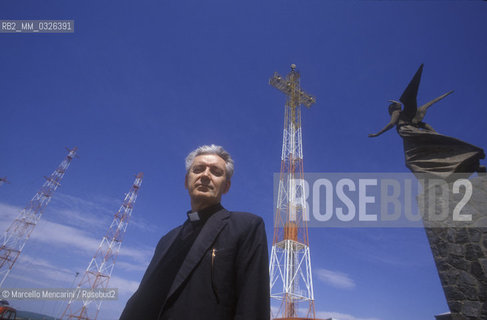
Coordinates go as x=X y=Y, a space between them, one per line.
x=99 y=271
x=19 y=231
x=290 y=266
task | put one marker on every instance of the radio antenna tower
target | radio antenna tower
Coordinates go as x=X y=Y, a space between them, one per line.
x=99 y=271
x=291 y=281
x=19 y=231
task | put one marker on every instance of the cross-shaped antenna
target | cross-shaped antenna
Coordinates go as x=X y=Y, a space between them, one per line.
x=291 y=88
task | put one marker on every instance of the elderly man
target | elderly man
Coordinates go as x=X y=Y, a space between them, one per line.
x=214 y=266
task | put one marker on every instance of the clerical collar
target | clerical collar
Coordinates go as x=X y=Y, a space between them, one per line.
x=204 y=214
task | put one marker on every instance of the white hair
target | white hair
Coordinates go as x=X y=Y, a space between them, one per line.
x=212 y=149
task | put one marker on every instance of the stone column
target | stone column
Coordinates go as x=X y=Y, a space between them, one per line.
x=460 y=248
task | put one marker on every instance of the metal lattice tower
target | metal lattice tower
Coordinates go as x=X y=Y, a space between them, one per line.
x=99 y=271
x=290 y=266
x=19 y=231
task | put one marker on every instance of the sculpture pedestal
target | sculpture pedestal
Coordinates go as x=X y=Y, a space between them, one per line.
x=460 y=250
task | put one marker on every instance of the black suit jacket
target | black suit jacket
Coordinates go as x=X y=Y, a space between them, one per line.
x=224 y=276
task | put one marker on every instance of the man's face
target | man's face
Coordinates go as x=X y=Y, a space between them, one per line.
x=206 y=181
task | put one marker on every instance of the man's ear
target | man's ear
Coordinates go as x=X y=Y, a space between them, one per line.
x=186 y=181
x=227 y=186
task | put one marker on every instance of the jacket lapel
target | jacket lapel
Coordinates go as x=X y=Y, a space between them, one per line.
x=165 y=243
x=202 y=243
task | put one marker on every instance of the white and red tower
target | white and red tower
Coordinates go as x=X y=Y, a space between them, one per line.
x=17 y=234
x=290 y=264
x=100 y=269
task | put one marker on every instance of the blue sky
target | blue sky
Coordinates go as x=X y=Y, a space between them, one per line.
x=139 y=85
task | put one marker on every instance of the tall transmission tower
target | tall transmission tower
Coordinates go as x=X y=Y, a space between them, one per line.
x=19 y=231
x=291 y=281
x=99 y=271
